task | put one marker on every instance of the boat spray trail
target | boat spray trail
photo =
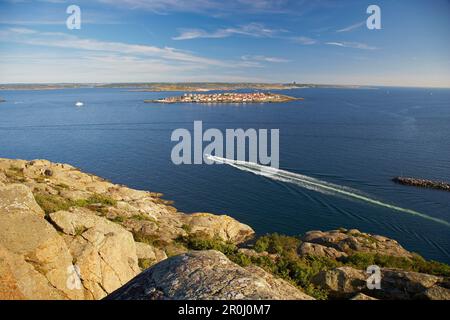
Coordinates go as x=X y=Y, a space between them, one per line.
x=316 y=185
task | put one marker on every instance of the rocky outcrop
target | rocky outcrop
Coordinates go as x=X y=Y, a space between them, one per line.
x=224 y=227
x=350 y=241
x=65 y=234
x=345 y=282
x=104 y=252
x=35 y=254
x=205 y=275
x=314 y=249
x=341 y=282
x=435 y=292
x=18 y=198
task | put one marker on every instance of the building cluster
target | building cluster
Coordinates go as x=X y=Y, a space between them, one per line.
x=224 y=97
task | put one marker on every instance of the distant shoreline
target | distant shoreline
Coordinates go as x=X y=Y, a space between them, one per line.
x=183 y=87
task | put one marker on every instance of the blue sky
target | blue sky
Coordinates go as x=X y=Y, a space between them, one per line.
x=309 y=41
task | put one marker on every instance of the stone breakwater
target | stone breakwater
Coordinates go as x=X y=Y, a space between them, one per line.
x=423 y=183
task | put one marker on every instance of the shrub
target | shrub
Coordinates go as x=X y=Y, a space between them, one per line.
x=279 y=244
x=145 y=263
x=52 y=203
x=416 y=263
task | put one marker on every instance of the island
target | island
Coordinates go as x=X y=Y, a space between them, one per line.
x=226 y=97
x=423 y=183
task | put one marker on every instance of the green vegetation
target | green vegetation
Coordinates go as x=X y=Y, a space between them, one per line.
x=52 y=203
x=15 y=174
x=186 y=228
x=416 y=263
x=145 y=263
x=287 y=265
x=80 y=230
x=117 y=219
x=140 y=217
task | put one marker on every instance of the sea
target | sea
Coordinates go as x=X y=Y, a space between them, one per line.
x=353 y=139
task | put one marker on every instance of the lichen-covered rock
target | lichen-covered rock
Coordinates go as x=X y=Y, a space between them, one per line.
x=18 y=197
x=395 y=284
x=399 y=284
x=435 y=293
x=204 y=275
x=20 y=280
x=341 y=282
x=34 y=242
x=146 y=251
x=314 y=249
x=224 y=227
x=103 y=250
x=353 y=240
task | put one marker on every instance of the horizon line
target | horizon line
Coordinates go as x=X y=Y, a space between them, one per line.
x=223 y=82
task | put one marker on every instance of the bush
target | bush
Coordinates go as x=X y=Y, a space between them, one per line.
x=145 y=263
x=279 y=244
x=203 y=242
x=416 y=263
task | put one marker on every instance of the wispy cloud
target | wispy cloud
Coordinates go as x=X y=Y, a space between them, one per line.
x=352 y=27
x=217 y=7
x=354 y=45
x=304 y=40
x=252 y=30
x=261 y=58
x=63 y=40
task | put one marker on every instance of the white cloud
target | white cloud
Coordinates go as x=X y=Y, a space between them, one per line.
x=352 y=27
x=260 y=58
x=217 y=6
x=63 y=40
x=354 y=45
x=252 y=30
x=304 y=40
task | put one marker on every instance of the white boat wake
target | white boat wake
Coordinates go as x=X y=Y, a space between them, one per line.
x=315 y=185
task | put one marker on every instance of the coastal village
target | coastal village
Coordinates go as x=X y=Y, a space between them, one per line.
x=227 y=97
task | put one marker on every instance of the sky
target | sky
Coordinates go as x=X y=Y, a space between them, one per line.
x=306 y=41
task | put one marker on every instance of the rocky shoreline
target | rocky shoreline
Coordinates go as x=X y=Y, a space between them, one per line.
x=422 y=183
x=66 y=234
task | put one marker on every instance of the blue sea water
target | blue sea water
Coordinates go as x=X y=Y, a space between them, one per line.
x=358 y=138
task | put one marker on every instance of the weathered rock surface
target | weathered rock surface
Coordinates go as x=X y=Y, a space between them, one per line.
x=314 y=249
x=95 y=237
x=349 y=241
x=65 y=234
x=205 y=275
x=222 y=226
x=103 y=250
x=35 y=253
x=399 y=284
x=342 y=281
x=17 y=198
x=396 y=284
x=146 y=251
x=435 y=293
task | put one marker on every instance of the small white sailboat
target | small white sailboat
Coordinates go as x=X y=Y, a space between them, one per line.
x=79 y=104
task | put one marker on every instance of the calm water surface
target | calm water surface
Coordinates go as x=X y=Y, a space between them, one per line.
x=354 y=138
